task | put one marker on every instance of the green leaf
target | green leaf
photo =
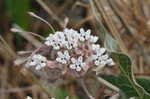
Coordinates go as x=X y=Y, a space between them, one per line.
x=110 y=43
x=125 y=64
x=145 y=83
x=122 y=83
x=18 y=9
x=125 y=86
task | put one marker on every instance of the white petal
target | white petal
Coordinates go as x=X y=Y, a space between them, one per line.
x=80 y=59
x=82 y=39
x=43 y=64
x=60 y=54
x=28 y=97
x=87 y=34
x=73 y=60
x=81 y=30
x=93 y=39
x=38 y=67
x=44 y=59
x=83 y=64
x=56 y=47
x=95 y=46
x=72 y=66
x=103 y=63
x=97 y=62
x=104 y=57
x=35 y=56
x=64 y=61
x=32 y=63
x=78 y=68
x=67 y=55
x=102 y=51
x=94 y=57
x=58 y=59
x=110 y=62
x=88 y=31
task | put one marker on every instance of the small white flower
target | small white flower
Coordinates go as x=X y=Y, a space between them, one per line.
x=53 y=41
x=100 y=58
x=110 y=62
x=56 y=40
x=71 y=34
x=71 y=44
x=100 y=51
x=38 y=61
x=49 y=40
x=63 y=57
x=60 y=35
x=93 y=39
x=84 y=35
x=72 y=37
x=95 y=46
x=77 y=64
x=28 y=97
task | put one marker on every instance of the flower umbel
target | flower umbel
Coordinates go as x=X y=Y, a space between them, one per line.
x=38 y=61
x=77 y=64
x=100 y=57
x=75 y=50
x=84 y=35
x=63 y=57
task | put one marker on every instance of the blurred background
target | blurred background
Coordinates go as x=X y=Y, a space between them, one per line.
x=122 y=25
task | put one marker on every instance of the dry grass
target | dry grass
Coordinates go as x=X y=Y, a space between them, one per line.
x=128 y=21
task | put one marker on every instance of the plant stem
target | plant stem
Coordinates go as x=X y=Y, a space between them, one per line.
x=101 y=80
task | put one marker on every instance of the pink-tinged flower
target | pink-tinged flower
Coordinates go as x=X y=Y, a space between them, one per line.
x=77 y=64
x=84 y=35
x=71 y=52
x=38 y=61
x=100 y=57
x=63 y=57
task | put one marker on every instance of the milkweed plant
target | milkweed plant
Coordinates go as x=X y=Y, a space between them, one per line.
x=77 y=53
x=73 y=51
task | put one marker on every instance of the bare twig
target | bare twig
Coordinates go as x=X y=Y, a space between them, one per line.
x=34 y=15
x=26 y=35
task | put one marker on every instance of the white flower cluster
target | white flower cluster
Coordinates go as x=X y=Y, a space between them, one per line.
x=38 y=61
x=86 y=35
x=77 y=64
x=67 y=44
x=100 y=57
x=67 y=39
x=63 y=57
x=70 y=39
